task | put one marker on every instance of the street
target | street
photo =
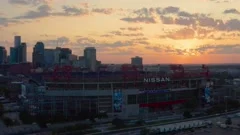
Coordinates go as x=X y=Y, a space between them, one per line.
x=136 y=130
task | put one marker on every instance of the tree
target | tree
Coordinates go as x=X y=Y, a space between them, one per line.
x=1 y=109
x=233 y=104
x=228 y=121
x=8 y=121
x=4 y=91
x=144 y=131
x=118 y=123
x=102 y=115
x=26 y=118
x=187 y=114
x=140 y=122
x=191 y=104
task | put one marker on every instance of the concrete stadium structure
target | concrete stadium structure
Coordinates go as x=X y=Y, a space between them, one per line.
x=127 y=93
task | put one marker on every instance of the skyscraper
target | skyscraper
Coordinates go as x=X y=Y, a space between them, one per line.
x=38 y=55
x=63 y=55
x=18 y=53
x=22 y=53
x=49 y=57
x=13 y=55
x=3 y=55
x=90 y=58
x=17 y=41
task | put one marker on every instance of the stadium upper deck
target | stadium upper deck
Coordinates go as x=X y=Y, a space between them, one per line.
x=126 y=74
x=68 y=78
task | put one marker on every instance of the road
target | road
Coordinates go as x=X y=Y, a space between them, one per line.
x=136 y=129
x=215 y=129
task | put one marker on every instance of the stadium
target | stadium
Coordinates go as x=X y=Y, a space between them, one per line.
x=128 y=92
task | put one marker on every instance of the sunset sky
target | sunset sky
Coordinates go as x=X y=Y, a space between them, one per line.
x=160 y=31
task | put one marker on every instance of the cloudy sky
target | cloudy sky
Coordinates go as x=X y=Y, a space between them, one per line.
x=160 y=31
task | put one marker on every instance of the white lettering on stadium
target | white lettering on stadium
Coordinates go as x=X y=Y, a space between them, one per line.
x=153 y=80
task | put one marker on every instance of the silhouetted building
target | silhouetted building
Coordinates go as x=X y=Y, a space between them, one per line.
x=81 y=58
x=3 y=55
x=8 y=59
x=49 y=57
x=137 y=61
x=73 y=57
x=13 y=55
x=80 y=62
x=38 y=55
x=18 y=53
x=22 y=53
x=99 y=63
x=64 y=55
x=90 y=58
x=17 y=41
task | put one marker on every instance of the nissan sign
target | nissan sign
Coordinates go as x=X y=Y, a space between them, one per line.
x=154 y=80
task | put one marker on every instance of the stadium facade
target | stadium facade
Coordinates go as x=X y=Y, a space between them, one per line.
x=126 y=93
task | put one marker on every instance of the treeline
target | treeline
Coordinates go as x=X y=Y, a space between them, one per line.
x=43 y=119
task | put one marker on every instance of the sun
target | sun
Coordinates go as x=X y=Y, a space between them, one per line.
x=186 y=44
x=188 y=47
x=189 y=44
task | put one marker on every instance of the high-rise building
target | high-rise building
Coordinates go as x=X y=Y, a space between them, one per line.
x=64 y=55
x=3 y=55
x=38 y=55
x=80 y=62
x=17 y=41
x=56 y=55
x=90 y=58
x=8 y=59
x=18 y=53
x=13 y=55
x=49 y=57
x=73 y=57
x=137 y=61
x=22 y=53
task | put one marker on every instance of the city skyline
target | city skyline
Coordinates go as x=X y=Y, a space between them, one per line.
x=173 y=31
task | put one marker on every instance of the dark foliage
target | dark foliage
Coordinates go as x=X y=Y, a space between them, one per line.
x=118 y=123
x=187 y=114
x=1 y=109
x=8 y=121
x=228 y=121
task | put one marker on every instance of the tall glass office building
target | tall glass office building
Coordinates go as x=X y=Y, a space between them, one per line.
x=22 y=53
x=17 y=41
x=38 y=55
x=13 y=55
x=3 y=55
x=18 y=53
